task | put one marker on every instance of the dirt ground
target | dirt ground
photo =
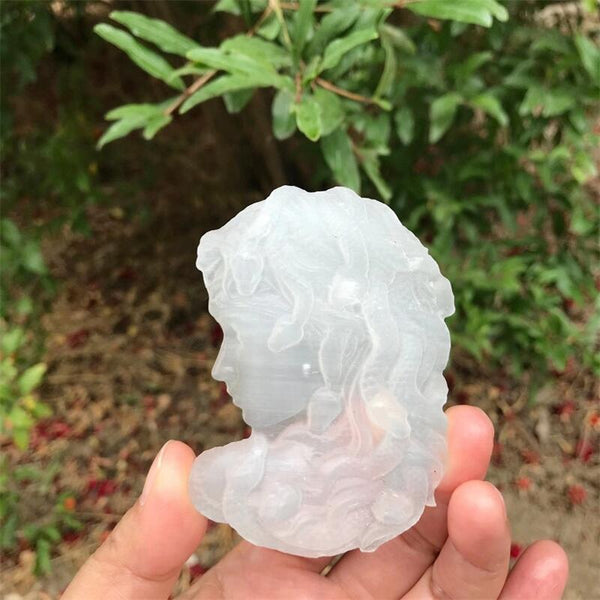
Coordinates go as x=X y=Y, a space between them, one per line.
x=130 y=350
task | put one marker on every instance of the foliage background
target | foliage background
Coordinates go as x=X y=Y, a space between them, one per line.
x=481 y=135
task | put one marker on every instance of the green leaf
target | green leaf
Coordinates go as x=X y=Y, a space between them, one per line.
x=41 y=410
x=133 y=111
x=32 y=258
x=579 y=120
x=583 y=168
x=463 y=70
x=303 y=24
x=189 y=69
x=20 y=418
x=236 y=101
x=557 y=101
x=9 y=373
x=27 y=472
x=71 y=522
x=260 y=70
x=547 y=102
x=8 y=532
x=308 y=117
x=311 y=70
x=338 y=154
x=376 y=130
x=42 y=556
x=331 y=25
x=331 y=108
x=144 y=58
x=235 y=7
x=589 y=54
x=52 y=533
x=532 y=103
x=405 y=124
x=338 y=48
x=24 y=305
x=31 y=532
x=398 y=38
x=21 y=437
x=228 y=6
x=260 y=50
x=31 y=378
x=390 y=67
x=10 y=233
x=491 y=106
x=551 y=40
x=477 y=12
x=441 y=115
x=246 y=10
x=370 y=164
x=161 y=34
x=121 y=128
x=270 y=27
x=12 y=340
x=284 y=120
x=218 y=87
x=155 y=124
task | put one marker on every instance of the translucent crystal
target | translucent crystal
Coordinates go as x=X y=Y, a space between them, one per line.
x=334 y=346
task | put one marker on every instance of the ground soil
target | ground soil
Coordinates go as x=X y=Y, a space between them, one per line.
x=130 y=349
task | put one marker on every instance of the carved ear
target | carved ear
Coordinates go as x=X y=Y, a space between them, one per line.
x=247 y=271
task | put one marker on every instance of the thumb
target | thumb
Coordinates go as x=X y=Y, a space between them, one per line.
x=144 y=554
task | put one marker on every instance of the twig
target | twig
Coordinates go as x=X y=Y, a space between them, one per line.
x=189 y=91
x=260 y=21
x=276 y=7
x=298 y=81
x=341 y=92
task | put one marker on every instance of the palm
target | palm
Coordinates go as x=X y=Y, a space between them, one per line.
x=459 y=549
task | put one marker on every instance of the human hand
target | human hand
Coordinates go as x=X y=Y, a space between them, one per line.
x=459 y=549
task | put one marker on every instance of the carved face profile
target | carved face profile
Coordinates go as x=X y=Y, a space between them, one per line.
x=334 y=346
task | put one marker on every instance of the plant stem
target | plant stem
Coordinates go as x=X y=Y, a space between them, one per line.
x=275 y=5
x=341 y=92
x=298 y=82
x=260 y=21
x=189 y=91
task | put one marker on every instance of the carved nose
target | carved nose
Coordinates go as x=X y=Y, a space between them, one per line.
x=223 y=369
x=224 y=373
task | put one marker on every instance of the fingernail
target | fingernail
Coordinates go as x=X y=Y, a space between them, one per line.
x=152 y=474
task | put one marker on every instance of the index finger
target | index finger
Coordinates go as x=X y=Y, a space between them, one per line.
x=144 y=554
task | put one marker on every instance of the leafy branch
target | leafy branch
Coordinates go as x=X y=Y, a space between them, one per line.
x=306 y=52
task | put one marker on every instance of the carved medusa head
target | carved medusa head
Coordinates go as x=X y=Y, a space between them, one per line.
x=334 y=346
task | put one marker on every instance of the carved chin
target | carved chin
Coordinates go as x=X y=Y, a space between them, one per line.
x=264 y=417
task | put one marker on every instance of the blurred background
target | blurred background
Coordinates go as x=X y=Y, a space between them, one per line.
x=478 y=124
